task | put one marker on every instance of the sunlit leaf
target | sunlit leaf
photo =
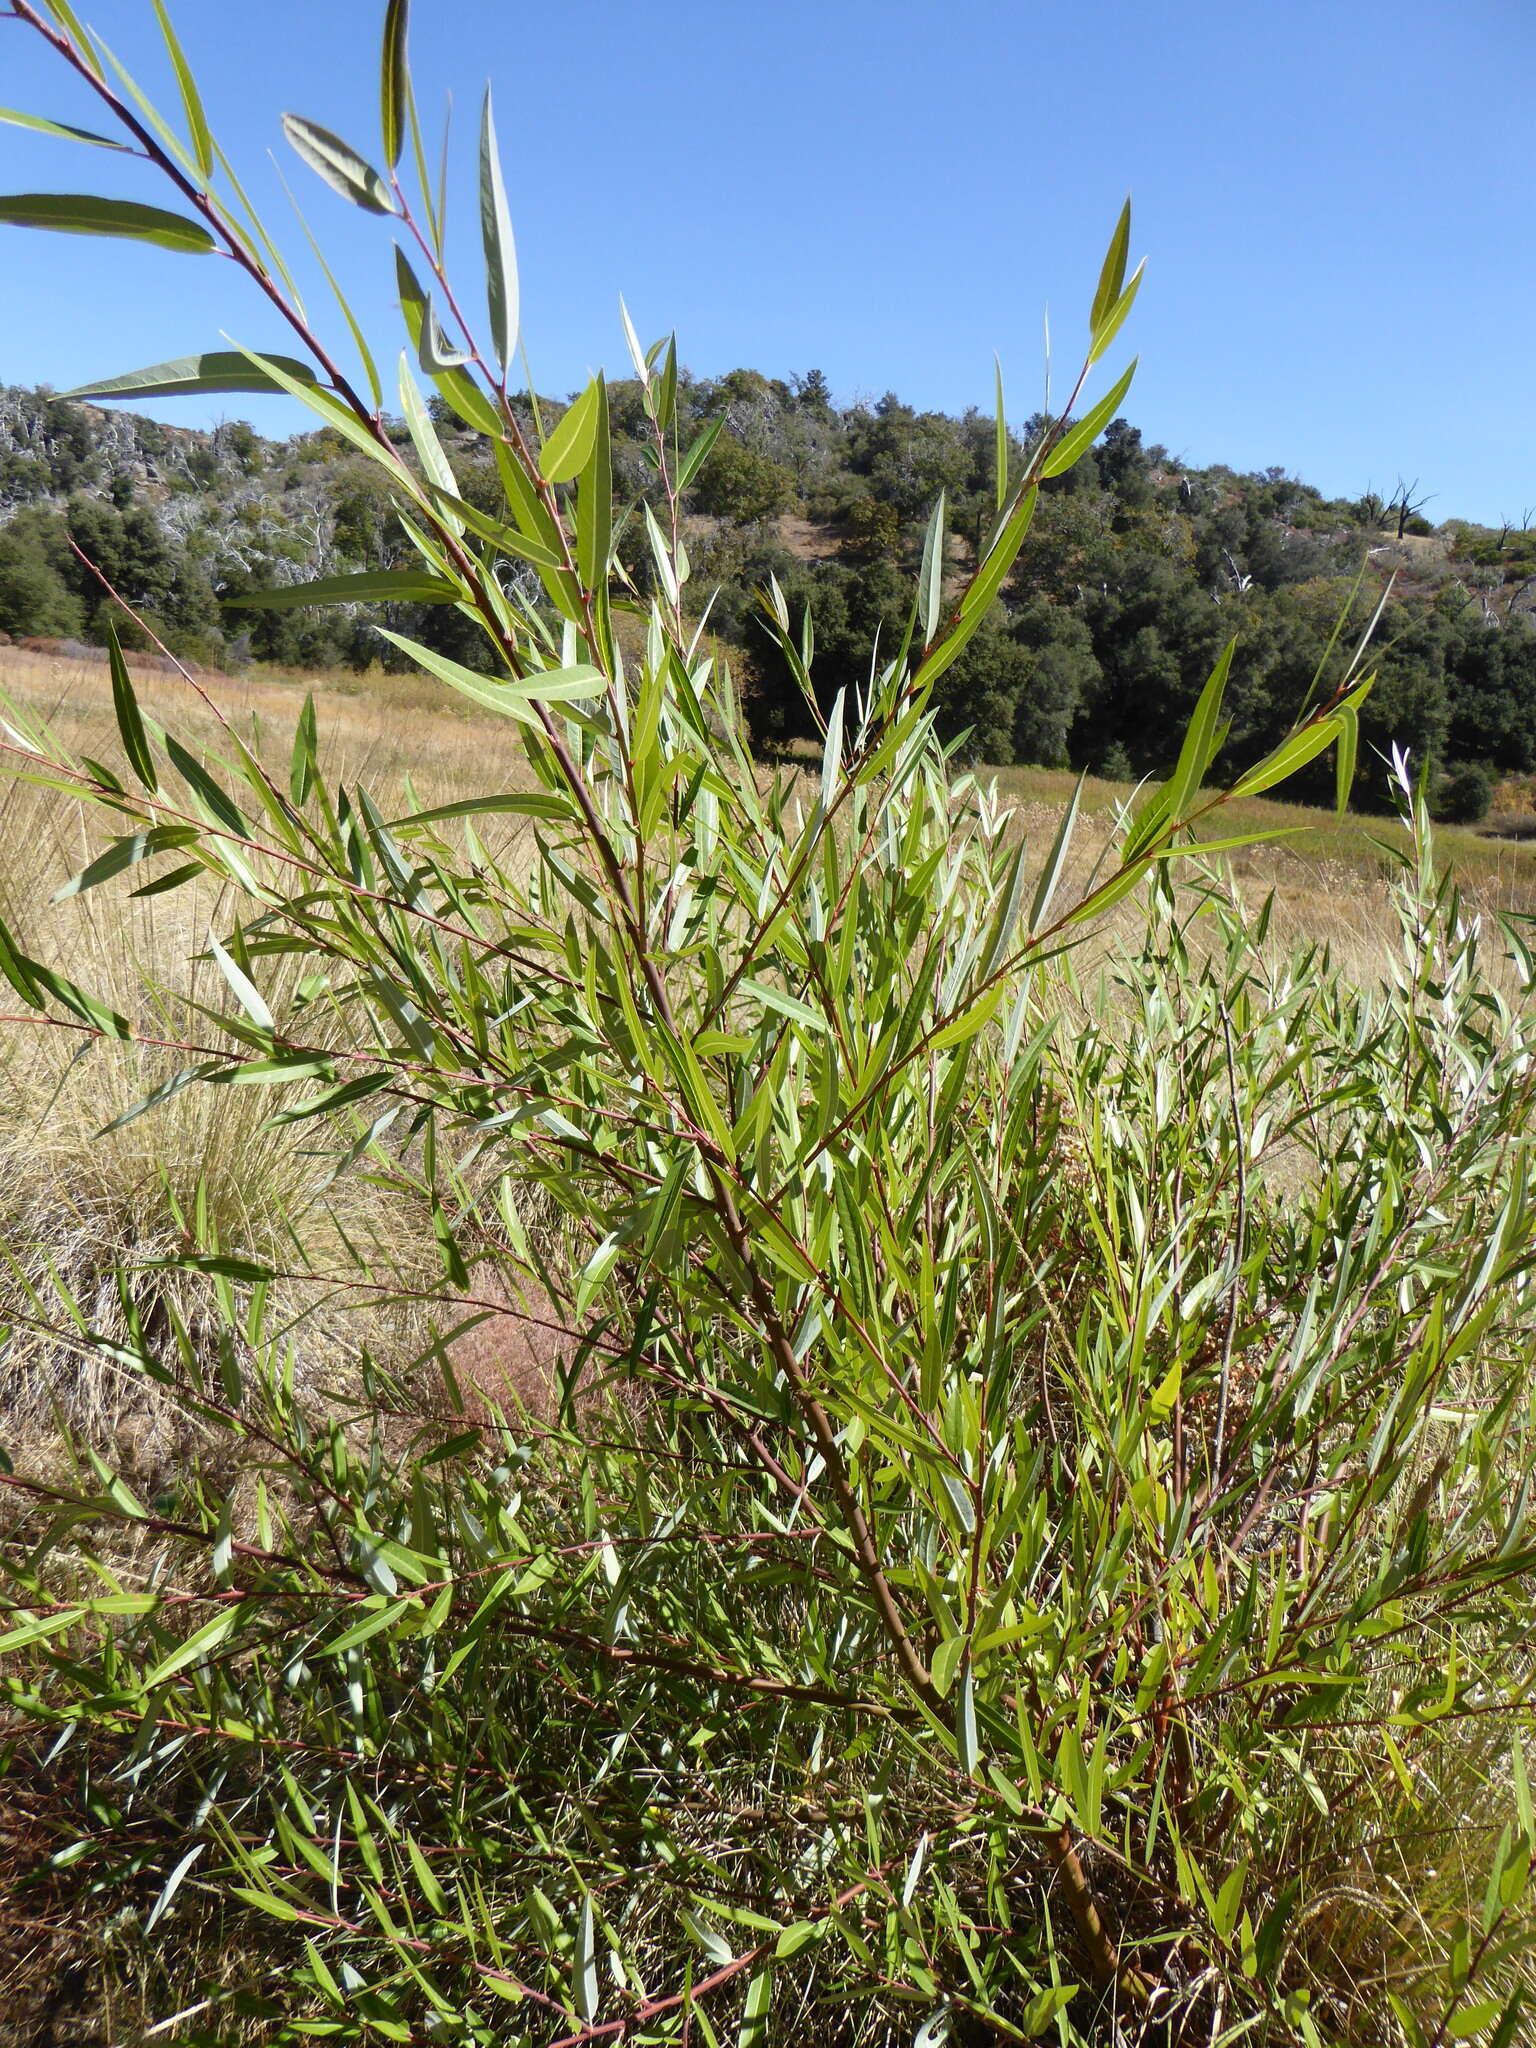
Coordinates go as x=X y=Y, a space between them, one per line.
x=1112 y=275
x=220 y=370
x=14 y=118
x=79 y=213
x=1079 y=438
x=393 y=75
x=500 y=249
x=339 y=165
x=191 y=98
x=368 y=586
x=569 y=445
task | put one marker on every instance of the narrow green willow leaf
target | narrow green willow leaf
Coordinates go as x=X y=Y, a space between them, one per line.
x=41 y=1628
x=1200 y=738
x=699 y=453
x=203 y=786
x=931 y=575
x=126 y=853
x=73 y=27
x=100 y=1016
x=220 y=1264
x=1344 y=760
x=303 y=765
x=666 y=390
x=329 y=1099
x=219 y=370
x=1117 y=315
x=965 y=1724
x=1000 y=557
x=359 y=340
x=1001 y=935
x=980 y=592
x=14 y=118
x=1300 y=748
x=153 y=119
x=500 y=536
x=191 y=98
x=429 y=449
x=393 y=72
x=274 y=1073
x=246 y=993
x=368 y=586
x=500 y=248
x=199 y=1645
x=130 y=725
x=17 y=969
x=755 y=2009
x=162 y=885
x=1056 y=860
x=970 y=1022
x=339 y=164
x=1098 y=900
x=1112 y=275
x=710 y=1939
x=513 y=697
x=460 y=390
x=1078 y=439
x=335 y=414
x=80 y=213
x=661 y=557
x=1001 y=450
x=551 y=807
x=785 y=1005
x=832 y=753
x=632 y=343
x=942 y=1669
x=434 y=351
x=564 y=455
x=584 y=1965
x=594 y=498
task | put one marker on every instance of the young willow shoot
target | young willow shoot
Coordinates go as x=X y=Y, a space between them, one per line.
x=978 y=1556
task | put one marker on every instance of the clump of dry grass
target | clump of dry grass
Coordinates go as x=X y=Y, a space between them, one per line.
x=89 y=1212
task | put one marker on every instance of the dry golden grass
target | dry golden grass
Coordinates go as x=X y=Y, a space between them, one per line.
x=376 y=729
x=79 y=1207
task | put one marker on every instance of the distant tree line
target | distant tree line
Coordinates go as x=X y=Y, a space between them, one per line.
x=1138 y=569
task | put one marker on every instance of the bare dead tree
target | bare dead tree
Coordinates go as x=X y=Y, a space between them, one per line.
x=1407 y=504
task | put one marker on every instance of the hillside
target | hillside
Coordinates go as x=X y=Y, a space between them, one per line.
x=1137 y=571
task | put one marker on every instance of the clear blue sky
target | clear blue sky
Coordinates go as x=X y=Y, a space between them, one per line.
x=1334 y=200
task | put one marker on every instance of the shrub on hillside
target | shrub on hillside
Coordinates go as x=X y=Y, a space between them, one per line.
x=1464 y=793
x=35 y=600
